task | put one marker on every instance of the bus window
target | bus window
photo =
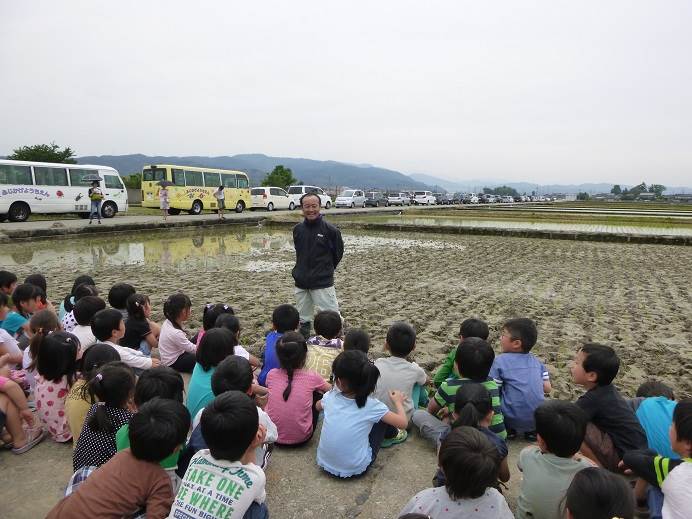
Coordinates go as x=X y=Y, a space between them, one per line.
x=194 y=178
x=50 y=176
x=179 y=177
x=153 y=174
x=211 y=179
x=113 y=182
x=228 y=180
x=20 y=175
x=77 y=177
x=243 y=182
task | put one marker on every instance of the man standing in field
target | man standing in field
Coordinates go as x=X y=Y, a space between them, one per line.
x=319 y=249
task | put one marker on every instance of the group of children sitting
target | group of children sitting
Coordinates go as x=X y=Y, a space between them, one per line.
x=142 y=445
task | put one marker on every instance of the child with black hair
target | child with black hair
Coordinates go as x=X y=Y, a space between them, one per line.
x=133 y=478
x=78 y=401
x=294 y=391
x=56 y=366
x=357 y=339
x=42 y=323
x=108 y=327
x=548 y=468
x=39 y=281
x=597 y=494
x=216 y=345
x=355 y=422
x=473 y=408
x=654 y=405
x=68 y=321
x=473 y=360
x=8 y=282
x=84 y=311
x=232 y=374
x=14 y=410
x=111 y=392
x=230 y=427
x=232 y=323
x=67 y=304
x=117 y=297
x=470 y=464
x=174 y=345
x=210 y=314
x=397 y=373
x=285 y=318
x=324 y=347
x=140 y=333
x=613 y=428
x=26 y=298
x=8 y=343
x=672 y=476
x=161 y=382
x=523 y=379
x=469 y=328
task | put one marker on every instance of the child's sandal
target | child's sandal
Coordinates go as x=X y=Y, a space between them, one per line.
x=35 y=436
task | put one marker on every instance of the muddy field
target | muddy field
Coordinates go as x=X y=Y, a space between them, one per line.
x=635 y=298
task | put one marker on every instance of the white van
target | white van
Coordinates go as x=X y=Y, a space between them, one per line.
x=295 y=192
x=44 y=187
x=424 y=198
x=270 y=198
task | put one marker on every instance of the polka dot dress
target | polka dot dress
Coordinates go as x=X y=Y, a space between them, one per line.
x=94 y=448
x=50 y=406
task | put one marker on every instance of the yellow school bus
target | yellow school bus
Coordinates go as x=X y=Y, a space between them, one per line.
x=192 y=189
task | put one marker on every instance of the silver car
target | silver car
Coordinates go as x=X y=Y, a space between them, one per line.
x=399 y=199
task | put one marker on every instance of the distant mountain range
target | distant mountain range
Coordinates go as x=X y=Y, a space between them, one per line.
x=332 y=174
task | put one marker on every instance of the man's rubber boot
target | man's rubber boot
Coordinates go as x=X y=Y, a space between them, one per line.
x=305 y=329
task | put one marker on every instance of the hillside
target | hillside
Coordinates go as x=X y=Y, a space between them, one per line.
x=322 y=173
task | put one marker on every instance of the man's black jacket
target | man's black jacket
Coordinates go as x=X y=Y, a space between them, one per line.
x=319 y=249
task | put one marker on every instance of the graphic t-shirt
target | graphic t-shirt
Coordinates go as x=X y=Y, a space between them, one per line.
x=321 y=357
x=215 y=488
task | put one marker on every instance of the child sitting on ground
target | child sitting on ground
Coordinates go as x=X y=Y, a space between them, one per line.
x=230 y=427
x=232 y=323
x=357 y=339
x=41 y=324
x=67 y=304
x=672 y=476
x=469 y=328
x=26 y=298
x=597 y=494
x=8 y=282
x=522 y=378
x=293 y=391
x=140 y=333
x=473 y=408
x=14 y=409
x=285 y=318
x=133 y=478
x=174 y=346
x=324 y=347
x=84 y=311
x=117 y=297
x=78 y=401
x=108 y=327
x=397 y=373
x=613 y=428
x=354 y=422
x=56 y=365
x=654 y=405
x=210 y=313
x=473 y=360
x=233 y=374
x=39 y=280
x=8 y=344
x=111 y=392
x=68 y=321
x=548 y=468
x=470 y=464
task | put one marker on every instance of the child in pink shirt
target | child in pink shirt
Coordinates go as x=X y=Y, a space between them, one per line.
x=174 y=346
x=294 y=391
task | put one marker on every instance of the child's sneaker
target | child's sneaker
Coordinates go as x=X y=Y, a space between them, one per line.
x=399 y=438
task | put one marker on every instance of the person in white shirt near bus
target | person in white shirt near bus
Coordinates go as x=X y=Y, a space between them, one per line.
x=220 y=202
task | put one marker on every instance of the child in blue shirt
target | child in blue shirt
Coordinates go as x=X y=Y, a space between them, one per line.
x=25 y=298
x=523 y=379
x=285 y=318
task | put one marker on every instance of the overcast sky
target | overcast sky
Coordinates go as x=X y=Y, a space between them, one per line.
x=549 y=91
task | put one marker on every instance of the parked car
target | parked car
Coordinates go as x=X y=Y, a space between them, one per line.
x=295 y=192
x=424 y=198
x=376 y=199
x=350 y=198
x=456 y=198
x=471 y=198
x=399 y=199
x=269 y=198
x=486 y=199
x=508 y=199
x=440 y=198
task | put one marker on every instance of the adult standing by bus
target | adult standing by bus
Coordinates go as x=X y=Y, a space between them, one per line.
x=319 y=249
x=96 y=197
x=220 y=202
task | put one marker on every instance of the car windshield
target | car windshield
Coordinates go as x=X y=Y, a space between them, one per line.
x=347 y=194
x=295 y=190
x=372 y=195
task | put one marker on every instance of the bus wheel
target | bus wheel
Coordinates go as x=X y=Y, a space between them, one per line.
x=196 y=207
x=174 y=212
x=19 y=212
x=240 y=206
x=108 y=210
